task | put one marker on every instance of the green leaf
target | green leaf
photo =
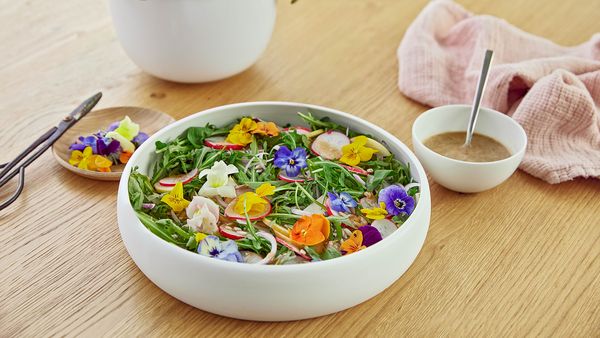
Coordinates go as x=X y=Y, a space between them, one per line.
x=312 y=253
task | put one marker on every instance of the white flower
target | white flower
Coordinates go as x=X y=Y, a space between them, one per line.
x=218 y=182
x=203 y=215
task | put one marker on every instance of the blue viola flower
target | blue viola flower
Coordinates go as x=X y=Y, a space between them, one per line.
x=88 y=141
x=341 y=202
x=211 y=246
x=107 y=147
x=290 y=161
x=140 y=138
x=396 y=200
x=113 y=126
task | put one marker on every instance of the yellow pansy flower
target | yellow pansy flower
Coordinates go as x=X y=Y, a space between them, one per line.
x=175 y=199
x=265 y=189
x=99 y=163
x=241 y=133
x=251 y=203
x=81 y=159
x=375 y=212
x=200 y=236
x=266 y=129
x=356 y=152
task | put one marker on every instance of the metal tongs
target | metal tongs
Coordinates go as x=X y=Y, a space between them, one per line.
x=46 y=142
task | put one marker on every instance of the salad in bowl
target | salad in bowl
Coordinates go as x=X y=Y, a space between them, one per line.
x=257 y=192
x=273 y=210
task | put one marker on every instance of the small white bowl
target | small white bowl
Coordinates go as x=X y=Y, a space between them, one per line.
x=461 y=176
x=269 y=292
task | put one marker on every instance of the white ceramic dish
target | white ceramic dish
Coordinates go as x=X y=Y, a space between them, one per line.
x=468 y=177
x=267 y=292
x=193 y=40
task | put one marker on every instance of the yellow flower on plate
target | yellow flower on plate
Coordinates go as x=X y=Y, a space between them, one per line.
x=356 y=152
x=81 y=159
x=375 y=212
x=200 y=236
x=241 y=133
x=174 y=198
x=251 y=203
x=99 y=163
x=265 y=189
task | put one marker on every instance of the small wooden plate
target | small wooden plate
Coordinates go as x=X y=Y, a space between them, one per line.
x=150 y=122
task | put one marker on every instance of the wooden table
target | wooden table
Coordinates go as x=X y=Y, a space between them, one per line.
x=521 y=259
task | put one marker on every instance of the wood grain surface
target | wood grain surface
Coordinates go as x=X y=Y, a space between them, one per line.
x=522 y=259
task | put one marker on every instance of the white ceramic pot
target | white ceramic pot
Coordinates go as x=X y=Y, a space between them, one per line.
x=273 y=292
x=193 y=40
x=468 y=177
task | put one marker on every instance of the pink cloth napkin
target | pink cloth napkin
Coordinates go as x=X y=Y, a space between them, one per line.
x=551 y=90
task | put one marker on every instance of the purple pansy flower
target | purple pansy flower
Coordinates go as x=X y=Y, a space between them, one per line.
x=370 y=235
x=113 y=126
x=341 y=202
x=140 y=138
x=88 y=141
x=396 y=200
x=211 y=246
x=107 y=146
x=290 y=161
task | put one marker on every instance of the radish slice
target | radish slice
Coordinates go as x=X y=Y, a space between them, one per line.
x=230 y=212
x=329 y=145
x=269 y=257
x=218 y=142
x=293 y=248
x=161 y=188
x=356 y=170
x=282 y=176
x=299 y=130
x=229 y=232
x=382 y=150
x=251 y=257
x=384 y=226
x=183 y=178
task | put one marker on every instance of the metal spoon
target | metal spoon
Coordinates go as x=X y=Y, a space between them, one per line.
x=487 y=61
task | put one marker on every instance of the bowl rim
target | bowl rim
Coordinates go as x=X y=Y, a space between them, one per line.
x=436 y=110
x=410 y=223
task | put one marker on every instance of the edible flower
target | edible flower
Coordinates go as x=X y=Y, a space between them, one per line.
x=291 y=161
x=251 y=203
x=341 y=202
x=211 y=246
x=128 y=129
x=356 y=152
x=87 y=141
x=218 y=182
x=241 y=133
x=266 y=129
x=265 y=189
x=175 y=199
x=370 y=235
x=200 y=236
x=203 y=215
x=140 y=138
x=126 y=145
x=397 y=201
x=81 y=158
x=125 y=156
x=376 y=212
x=310 y=230
x=354 y=243
x=99 y=163
x=107 y=146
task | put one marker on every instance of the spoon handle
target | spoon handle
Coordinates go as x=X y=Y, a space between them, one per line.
x=487 y=61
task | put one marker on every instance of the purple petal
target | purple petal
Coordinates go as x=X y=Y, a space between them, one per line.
x=77 y=146
x=370 y=235
x=396 y=200
x=113 y=126
x=140 y=138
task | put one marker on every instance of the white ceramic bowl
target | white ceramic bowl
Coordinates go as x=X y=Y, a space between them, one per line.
x=193 y=40
x=268 y=292
x=464 y=176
